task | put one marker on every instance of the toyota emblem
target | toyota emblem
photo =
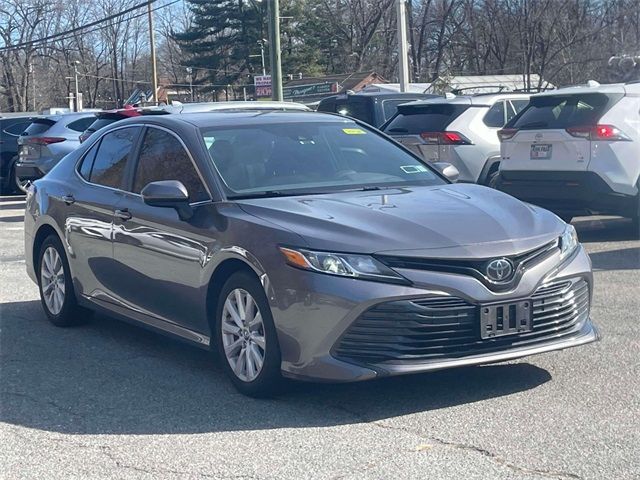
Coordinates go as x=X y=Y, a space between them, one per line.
x=499 y=269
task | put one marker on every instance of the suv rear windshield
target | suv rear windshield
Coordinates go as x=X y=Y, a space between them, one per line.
x=38 y=126
x=564 y=111
x=424 y=118
x=101 y=122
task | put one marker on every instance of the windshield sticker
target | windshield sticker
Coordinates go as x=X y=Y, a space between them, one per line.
x=414 y=168
x=354 y=131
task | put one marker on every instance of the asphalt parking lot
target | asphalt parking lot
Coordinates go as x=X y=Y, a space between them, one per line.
x=109 y=400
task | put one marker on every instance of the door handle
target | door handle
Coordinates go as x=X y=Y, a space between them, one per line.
x=123 y=214
x=68 y=199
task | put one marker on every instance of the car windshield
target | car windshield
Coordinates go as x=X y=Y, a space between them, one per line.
x=315 y=157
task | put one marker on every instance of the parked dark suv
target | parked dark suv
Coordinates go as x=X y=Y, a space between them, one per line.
x=10 y=130
x=374 y=108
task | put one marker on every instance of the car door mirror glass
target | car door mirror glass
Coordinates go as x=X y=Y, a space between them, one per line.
x=448 y=170
x=168 y=194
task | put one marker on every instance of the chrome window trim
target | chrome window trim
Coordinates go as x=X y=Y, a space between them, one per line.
x=99 y=138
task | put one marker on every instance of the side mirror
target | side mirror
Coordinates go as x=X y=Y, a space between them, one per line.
x=168 y=194
x=448 y=170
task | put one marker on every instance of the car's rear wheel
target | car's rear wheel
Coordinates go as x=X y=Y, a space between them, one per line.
x=246 y=336
x=493 y=178
x=21 y=185
x=55 y=284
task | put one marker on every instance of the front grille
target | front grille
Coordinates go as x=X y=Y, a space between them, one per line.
x=441 y=327
x=475 y=268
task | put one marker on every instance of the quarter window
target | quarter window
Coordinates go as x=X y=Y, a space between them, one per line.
x=162 y=157
x=111 y=157
x=495 y=116
x=87 y=162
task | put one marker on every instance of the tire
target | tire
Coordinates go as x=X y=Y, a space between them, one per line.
x=57 y=296
x=21 y=186
x=241 y=342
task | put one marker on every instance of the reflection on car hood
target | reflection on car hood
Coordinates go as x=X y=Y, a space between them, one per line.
x=460 y=221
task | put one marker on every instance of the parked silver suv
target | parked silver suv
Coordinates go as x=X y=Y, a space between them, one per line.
x=43 y=144
x=461 y=130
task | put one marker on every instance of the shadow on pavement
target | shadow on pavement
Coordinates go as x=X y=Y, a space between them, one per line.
x=619 y=259
x=591 y=230
x=15 y=218
x=109 y=377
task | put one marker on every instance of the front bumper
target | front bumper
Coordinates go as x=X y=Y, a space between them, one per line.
x=573 y=193
x=314 y=313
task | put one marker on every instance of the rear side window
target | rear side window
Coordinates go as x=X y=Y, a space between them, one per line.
x=87 y=162
x=495 y=116
x=112 y=155
x=81 y=124
x=162 y=157
x=564 y=111
x=39 y=126
x=426 y=118
x=356 y=108
x=99 y=123
x=15 y=129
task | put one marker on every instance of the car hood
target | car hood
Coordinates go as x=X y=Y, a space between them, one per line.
x=460 y=221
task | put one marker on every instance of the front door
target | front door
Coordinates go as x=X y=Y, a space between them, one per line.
x=161 y=258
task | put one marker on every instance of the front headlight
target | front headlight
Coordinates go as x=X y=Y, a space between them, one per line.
x=568 y=242
x=341 y=264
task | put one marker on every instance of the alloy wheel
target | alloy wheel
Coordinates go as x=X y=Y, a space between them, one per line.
x=243 y=335
x=52 y=280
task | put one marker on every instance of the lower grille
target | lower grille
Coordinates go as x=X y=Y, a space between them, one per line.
x=441 y=327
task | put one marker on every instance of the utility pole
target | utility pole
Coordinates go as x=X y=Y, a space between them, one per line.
x=274 y=49
x=76 y=104
x=190 y=72
x=152 y=42
x=32 y=71
x=403 y=46
x=264 y=70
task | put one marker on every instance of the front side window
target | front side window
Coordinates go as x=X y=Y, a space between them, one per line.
x=318 y=157
x=162 y=157
x=112 y=155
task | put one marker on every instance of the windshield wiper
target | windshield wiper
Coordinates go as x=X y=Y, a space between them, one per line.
x=269 y=194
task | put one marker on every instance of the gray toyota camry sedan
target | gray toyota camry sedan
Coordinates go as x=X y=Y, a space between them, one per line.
x=302 y=245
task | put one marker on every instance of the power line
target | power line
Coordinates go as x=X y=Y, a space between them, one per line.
x=65 y=34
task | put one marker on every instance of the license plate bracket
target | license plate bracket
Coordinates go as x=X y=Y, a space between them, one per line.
x=541 y=151
x=500 y=319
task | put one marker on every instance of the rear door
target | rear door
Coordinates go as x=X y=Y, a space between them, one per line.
x=90 y=206
x=552 y=132
x=421 y=127
x=159 y=258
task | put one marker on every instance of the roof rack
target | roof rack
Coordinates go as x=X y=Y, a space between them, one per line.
x=501 y=88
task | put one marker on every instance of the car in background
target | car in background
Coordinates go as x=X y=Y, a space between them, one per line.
x=461 y=130
x=108 y=117
x=301 y=244
x=576 y=151
x=10 y=130
x=45 y=141
x=374 y=108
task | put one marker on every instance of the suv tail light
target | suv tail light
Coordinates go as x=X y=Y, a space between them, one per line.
x=44 y=140
x=445 y=138
x=507 y=133
x=598 y=132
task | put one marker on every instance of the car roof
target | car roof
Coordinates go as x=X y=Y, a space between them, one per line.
x=481 y=99
x=64 y=116
x=231 y=119
x=234 y=105
x=593 y=87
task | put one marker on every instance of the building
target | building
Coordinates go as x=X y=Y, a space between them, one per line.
x=314 y=89
x=469 y=84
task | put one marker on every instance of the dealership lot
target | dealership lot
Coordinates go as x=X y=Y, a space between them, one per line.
x=109 y=400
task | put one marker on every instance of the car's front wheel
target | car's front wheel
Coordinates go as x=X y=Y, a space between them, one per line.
x=246 y=336
x=55 y=284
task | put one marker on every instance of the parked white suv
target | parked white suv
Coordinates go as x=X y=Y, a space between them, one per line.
x=576 y=151
x=461 y=130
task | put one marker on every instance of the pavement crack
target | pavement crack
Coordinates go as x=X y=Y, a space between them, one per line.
x=460 y=446
x=43 y=401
